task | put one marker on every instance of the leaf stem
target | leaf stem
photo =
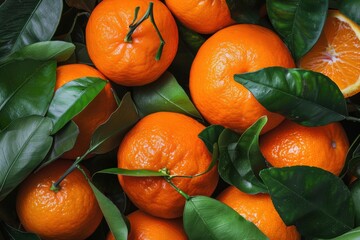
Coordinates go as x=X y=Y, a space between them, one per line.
x=56 y=185
x=186 y=196
x=354 y=119
x=132 y=27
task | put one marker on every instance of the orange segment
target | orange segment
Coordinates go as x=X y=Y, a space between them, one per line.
x=337 y=53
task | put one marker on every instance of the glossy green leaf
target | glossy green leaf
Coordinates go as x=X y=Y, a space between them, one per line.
x=64 y=140
x=27 y=21
x=26 y=88
x=165 y=94
x=351 y=9
x=298 y=22
x=306 y=97
x=109 y=134
x=208 y=218
x=352 y=157
x=210 y=136
x=317 y=202
x=72 y=98
x=23 y=145
x=134 y=173
x=241 y=160
x=43 y=51
x=112 y=214
x=355 y=194
x=15 y=234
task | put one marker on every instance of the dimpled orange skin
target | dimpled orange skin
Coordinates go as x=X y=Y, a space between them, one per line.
x=291 y=144
x=201 y=16
x=133 y=63
x=97 y=112
x=259 y=210
x=233 y=50
x=165 y=140
x=72 y=213
x=144 y=227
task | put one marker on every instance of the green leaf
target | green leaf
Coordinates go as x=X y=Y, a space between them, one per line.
x=26 y=22
x=26 y=89
x=351 y=9
x=165 y=94
x=43 y=51
x=16 y=234
x=352 y=157
x=355 y=194
x=306 y=97
x=210 y=136
x=72 y=98
x=298 y=22
x=317 y=202
x=64 y=140
x=109 y=135
x=134 y=173
x=112 y=214
x=241 y=160
x=82 y=55
x=208 y=218
x=23 y=146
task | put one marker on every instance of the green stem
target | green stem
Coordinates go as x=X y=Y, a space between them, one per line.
x=186 y=196
x=132 y=27
x=56 y=185
x=350 y=118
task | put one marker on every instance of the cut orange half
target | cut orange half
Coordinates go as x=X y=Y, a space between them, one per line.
x=337 y=53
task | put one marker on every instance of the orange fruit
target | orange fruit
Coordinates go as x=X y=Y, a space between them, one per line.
x=337 y=52
x=233 y=50
x=201 y=16
x=144 y=226
x=292 y=144
x=259 y=210
x=130 y=63
x=72 y=213
x=96 y=113
x=165 y=140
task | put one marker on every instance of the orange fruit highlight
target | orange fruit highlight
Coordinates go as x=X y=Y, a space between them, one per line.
x=292 y=144
x=144 y=226
x=96 y=113
x=130 y=63
x=259 y=210
x=165 y=140
x=233 y=50
x=337 y=53
x=72 y=213
x=201 y=16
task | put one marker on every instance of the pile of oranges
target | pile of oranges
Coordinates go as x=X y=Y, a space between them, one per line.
x=132 y=43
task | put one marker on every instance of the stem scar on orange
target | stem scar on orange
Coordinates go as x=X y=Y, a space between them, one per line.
x=124 y=40
x=96 y=113
x=72 y=213
x=165 y=140
x=236 y=49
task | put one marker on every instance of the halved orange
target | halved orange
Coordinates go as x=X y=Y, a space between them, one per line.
x=337 y=53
